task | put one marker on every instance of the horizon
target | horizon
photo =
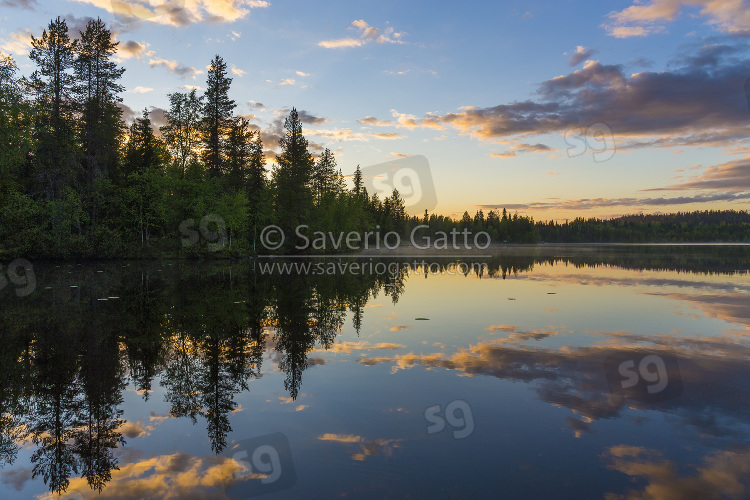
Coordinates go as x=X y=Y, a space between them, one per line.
x=373 y=83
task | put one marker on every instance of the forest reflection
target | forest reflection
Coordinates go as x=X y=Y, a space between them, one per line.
x=201 y=332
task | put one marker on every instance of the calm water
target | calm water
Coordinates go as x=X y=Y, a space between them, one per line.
x=557 y=372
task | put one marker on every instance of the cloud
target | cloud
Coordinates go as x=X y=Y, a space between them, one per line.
x=350 y=135
x=593 y=203
x=371 y=120
x=175 y=68
x=309 y=118
x=237 y=71
x=162 y=476
x=399 y=327
x=140 y=90
x=17 y=477
x=340 y=43
x=367 y=447
x=21 y=4
x=727 y=16
x=573 y=376
x=516 y=334
x=631 y=31
x=17 y=43
x=730 y=176
x=581 y=54
x=128 y=113
x=302 y=73
x=699 y=101
x=522 y=148
x=723 y=473
x=284 y=82
x=348 y=347
x=132 y=49
x=366 y=35
x=179 y=12
x=403 y=120
x=157 y=117
x=135 y=429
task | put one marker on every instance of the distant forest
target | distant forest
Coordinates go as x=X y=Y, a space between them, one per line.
x=77 y=182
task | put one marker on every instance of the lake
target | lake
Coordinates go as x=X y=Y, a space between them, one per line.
x=578 y=372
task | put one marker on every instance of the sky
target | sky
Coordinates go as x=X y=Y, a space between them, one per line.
x=554 y=109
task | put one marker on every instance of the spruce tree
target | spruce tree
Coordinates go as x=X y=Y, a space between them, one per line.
x=292 y=177
x=324 y=177
x=217 y=116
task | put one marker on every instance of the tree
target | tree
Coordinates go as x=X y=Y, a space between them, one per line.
x=144 y=159
x=239 y=153
x=52 y=85
x=397 y=210
x=100 y=124
x=182 y=131
x=217 y=114
x=15 y=139
x=257 y=187
x=291 y=177
x=98 y=92
x=324 y=176
x=359 y=185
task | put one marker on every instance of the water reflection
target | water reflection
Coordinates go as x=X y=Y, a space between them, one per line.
x=203 y=332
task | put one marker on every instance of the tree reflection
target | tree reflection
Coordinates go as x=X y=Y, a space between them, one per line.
x=201 y=332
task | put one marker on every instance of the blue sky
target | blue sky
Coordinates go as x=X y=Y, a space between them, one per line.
x=486 y=92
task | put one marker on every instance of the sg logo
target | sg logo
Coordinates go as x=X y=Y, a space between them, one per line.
x=267 y=466
x=597 y=137
x=644 y=377
x=190 y=236
x=412 y=178
x=463 y=423
x=25 y=282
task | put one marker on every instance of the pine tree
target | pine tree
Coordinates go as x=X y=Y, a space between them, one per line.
x=98 y=92
x=217 y=116
x=51 y=85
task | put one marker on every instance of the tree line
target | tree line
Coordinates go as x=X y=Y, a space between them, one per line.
x=76 y=182
x=682 y=227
